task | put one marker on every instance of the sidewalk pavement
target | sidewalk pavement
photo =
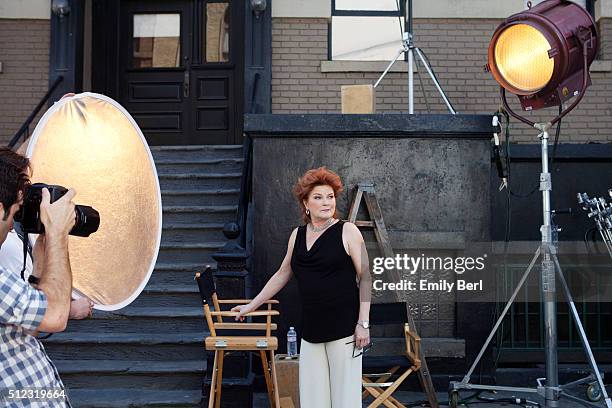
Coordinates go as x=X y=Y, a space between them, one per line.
x=406 y=397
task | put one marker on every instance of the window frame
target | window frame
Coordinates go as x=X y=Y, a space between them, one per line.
x=361 y=13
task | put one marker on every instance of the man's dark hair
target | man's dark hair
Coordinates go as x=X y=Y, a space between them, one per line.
x=13 y=177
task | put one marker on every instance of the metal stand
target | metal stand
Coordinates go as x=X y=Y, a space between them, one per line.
x=409 y=47
x=548 y=387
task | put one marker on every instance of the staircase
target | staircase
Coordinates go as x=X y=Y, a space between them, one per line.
x=151 y=353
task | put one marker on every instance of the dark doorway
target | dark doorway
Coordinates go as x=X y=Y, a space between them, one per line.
x=179 y=67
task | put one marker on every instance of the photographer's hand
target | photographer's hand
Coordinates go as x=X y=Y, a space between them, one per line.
x=56 y=280
x=58 y=217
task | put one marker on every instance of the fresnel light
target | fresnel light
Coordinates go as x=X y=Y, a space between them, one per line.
x=542 y=54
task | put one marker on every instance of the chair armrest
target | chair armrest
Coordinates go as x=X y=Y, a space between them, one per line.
x=255 y=313
x=245 y=301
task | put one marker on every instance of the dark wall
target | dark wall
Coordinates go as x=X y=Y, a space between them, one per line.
x=577 y=169
x=431 y=178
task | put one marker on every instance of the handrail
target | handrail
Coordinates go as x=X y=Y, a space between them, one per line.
x=37 y=109
x=245 y=190
x=246 y=178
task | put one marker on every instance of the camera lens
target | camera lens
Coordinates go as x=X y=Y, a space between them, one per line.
x=87 y=221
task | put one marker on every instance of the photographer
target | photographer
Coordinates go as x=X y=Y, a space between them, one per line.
x=27 y=376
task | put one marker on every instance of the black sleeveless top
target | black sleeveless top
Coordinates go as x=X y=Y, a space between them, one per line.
x=327 y=285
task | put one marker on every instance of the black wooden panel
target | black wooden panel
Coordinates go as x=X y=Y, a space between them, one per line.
x=213 y=118
x=158 y=121
x=213 y=88
x=155 y=91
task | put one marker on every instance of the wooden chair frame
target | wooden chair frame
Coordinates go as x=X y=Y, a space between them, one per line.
x=373 y=388
x=264 y=345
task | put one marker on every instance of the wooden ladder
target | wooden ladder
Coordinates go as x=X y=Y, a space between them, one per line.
x=365 y=191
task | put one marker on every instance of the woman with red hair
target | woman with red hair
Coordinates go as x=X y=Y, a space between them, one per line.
x=329 y=260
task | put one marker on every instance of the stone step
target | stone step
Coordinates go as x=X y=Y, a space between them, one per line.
x=191 y=233
x=198 y=165
x=159 y=346
x=141 y=375
x=197 y=214
x=177 y=273
x=209 y=196
x=188 y=252
x=191 y=181
x=181 y=294
x=196 y=152
x=133 y=398
x=149 y=319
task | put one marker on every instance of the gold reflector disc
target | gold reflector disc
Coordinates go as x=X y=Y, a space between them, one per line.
x=521 y=56
x=90 y=143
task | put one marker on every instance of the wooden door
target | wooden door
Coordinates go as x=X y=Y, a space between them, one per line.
x=180 y=70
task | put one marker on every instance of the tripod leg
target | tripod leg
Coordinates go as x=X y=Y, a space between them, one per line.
x=435 y=81
x=466 y=379
x=583 y=336
x=399 y=52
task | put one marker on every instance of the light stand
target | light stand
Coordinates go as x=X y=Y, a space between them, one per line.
x=548 y=387
x=409 y=47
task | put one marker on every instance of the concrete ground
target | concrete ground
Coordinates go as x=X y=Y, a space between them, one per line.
x=406 y=397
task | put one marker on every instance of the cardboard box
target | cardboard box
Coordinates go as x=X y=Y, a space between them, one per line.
x=288 y=377
x=358 y=99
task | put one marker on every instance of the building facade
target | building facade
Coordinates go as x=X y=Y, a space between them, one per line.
x=199 y=96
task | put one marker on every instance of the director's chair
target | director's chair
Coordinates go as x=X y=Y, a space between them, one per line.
x=264 y=345
x=382 y=389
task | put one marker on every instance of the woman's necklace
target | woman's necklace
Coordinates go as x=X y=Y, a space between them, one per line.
x=327 y=223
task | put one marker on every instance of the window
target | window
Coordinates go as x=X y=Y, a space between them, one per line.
x=217 y=32
x=366 y=30
x=156 y=41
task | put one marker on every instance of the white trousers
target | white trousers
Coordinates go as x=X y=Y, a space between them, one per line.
x=329 y=375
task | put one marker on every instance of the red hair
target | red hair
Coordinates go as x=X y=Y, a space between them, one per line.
x=311 y=179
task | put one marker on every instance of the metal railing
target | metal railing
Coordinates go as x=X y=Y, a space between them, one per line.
x=24 y=130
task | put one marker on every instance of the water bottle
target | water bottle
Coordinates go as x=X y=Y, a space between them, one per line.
x=291 y=342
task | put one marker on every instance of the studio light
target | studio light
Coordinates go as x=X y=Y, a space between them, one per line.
x=542 y=55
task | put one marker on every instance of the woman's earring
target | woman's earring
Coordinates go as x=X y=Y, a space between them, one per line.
x=307 y=211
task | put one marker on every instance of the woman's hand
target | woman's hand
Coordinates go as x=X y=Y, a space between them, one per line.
x=242 y=309
x=80 y=308
x=362 y=337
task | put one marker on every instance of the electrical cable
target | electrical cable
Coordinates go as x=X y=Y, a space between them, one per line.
x=586 y=238
x=551 y=160
x=422 y=87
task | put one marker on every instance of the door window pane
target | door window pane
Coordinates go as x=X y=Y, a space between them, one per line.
x=157 y=41
x=217 y=32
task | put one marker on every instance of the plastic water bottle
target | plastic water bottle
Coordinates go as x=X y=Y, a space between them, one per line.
x=291 y=342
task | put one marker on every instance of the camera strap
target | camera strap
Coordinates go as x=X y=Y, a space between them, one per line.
x=27 y=250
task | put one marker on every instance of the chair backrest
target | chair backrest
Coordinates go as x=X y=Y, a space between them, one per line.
x=388 y=313
x=206 y=285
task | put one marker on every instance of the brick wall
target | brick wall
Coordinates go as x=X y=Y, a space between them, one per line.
x=605 y=32
x=24 y=53
x=457 y=51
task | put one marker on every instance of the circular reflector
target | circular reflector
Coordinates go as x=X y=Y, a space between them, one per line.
x=521 y=57
x=90 y=143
